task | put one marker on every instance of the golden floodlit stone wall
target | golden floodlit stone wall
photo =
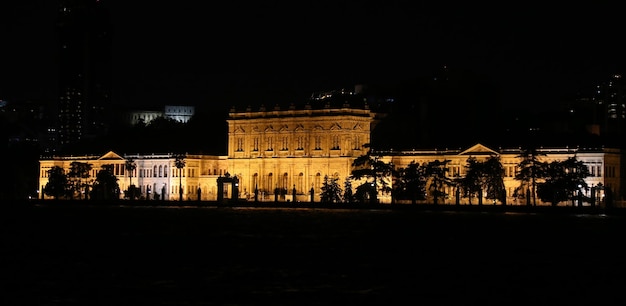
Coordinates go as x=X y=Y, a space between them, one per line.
x=279 y=151
x=282 y=153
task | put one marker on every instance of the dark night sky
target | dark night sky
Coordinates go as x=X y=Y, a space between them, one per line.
x=242 y=52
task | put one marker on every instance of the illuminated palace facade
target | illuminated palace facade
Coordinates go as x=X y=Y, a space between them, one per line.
x=276 y=152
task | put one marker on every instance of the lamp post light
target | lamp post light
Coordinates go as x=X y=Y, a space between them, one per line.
x=580 y=195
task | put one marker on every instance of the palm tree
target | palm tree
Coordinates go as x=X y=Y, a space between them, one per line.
x=130 y=166
x=180 y=164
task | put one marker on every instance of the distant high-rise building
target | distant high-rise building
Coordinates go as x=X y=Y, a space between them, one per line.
x=610 y=100
x=85 y=69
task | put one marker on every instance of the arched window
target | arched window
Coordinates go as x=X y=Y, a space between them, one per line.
x=269 y=186
x=165 y=171
x=285 y=183
x=300 y=183
x=154 y=172
x=318 y=181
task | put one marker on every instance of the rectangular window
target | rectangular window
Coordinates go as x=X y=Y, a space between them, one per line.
x=239 y=144
x=285 y=143
x=335 y=143
x=593 y=170
x=270 y=143
x=300 y=143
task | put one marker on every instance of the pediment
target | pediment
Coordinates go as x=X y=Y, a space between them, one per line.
x=335 y=126
x=284 y=128
x=299 y=127
x=111 y=156
x=357 y=127
x=239 y=129
x=479 y=149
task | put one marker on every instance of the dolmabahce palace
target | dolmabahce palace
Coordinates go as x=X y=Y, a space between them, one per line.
x=271 y=151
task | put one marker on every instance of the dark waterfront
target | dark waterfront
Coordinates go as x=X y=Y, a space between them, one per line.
x=112 y=255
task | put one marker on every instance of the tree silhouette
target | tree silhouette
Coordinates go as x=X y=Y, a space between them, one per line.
x=493 y=179
x=348 y=197
x=564 y=180
x=530 y=170
x=436 y=172
x=471 y=183
x=375 y=172
x=487 y=176
x=331 y=191
x=105 y=186
x=411 y=183
x=78 y=175
x=57 y=184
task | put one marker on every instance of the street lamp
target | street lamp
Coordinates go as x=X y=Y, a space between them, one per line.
x=580 y=195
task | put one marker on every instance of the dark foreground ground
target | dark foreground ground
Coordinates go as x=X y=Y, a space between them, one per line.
x=112 y=255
